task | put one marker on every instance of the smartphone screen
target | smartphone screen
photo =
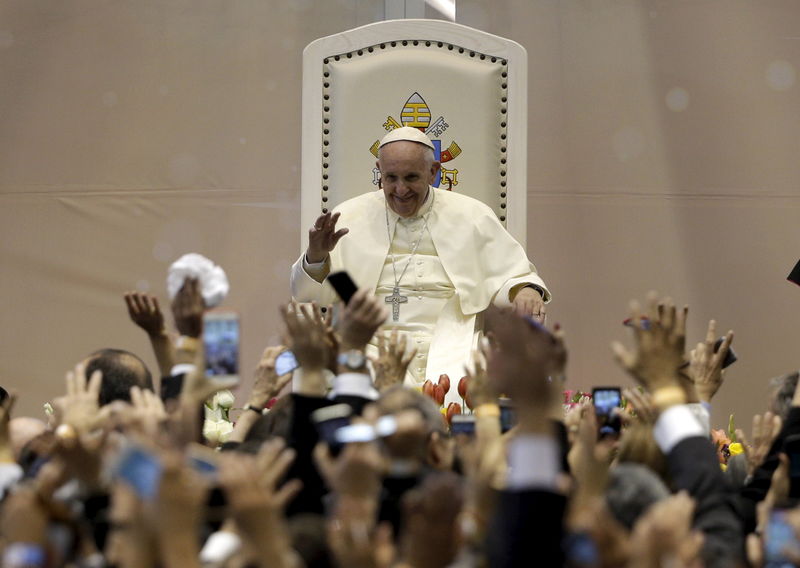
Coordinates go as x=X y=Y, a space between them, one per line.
x=780 y=538
x=508 y=418
x=221 y=339
x=462 y=424
x=343 y=284
x=285 y=363
x=607 y=401
x=141 y=470
x=330 y=419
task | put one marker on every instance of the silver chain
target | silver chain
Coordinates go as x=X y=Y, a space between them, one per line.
x=390 y=234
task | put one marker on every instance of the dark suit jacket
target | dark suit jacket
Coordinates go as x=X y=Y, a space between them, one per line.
x=693 y=466
x=527 y=530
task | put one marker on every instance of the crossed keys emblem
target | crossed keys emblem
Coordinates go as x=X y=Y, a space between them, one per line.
x=416 y=114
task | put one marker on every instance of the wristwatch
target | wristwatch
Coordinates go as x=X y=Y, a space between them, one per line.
x=353 y=359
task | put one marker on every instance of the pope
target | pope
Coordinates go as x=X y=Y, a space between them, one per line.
x=437 y=258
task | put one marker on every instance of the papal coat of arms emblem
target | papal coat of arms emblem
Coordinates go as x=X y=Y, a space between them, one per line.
x=416 y=114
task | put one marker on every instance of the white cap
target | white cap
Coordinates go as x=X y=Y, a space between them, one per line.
x=407 y=133
x=213 y=281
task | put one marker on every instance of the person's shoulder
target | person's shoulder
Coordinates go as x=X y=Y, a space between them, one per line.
x=469 y=205
x=360 y=202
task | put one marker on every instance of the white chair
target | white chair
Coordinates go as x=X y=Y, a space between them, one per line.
x=466 y=88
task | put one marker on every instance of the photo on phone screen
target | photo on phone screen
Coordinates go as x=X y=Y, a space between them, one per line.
x=330 y=419
x=221 y=340
x=141 y=470
x=780 y=541
x=462 y=424
x=607 y=401
x=508 y=418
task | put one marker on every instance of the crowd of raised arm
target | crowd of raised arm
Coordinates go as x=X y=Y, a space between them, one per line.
x=338 y=464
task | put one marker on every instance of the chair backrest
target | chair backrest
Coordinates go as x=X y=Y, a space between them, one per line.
x=466 y=88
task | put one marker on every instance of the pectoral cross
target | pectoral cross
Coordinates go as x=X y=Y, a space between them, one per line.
x=396 y=299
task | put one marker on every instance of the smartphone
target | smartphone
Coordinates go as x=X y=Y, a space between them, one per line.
x=730 y=357
x=330 y=419
x=221 y=339
x=780 y=539
x=607 y=401
x=352 y=433
x=794 y=275
x=141 y=470
x=462 y=424
x=286 y=362
x=508 y=419
x=343 y=284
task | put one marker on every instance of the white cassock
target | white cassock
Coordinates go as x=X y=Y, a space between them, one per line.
x=464 y=260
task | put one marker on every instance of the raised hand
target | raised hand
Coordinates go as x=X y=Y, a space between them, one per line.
x=478 y=387
x=308 y=335
x=188 y=307
x=642 y=404
x=148 y=413
x=178 y=511
x=323 y=237
x=198 y=387
x=360 y=319
x=705 y=366
x=80 y=407
x=6 y=451
x=660 y=337
x=524 y=358
x=392 y=361
x=145 y=312
x=266 y=382
x=257 y=504
x=664 y=535
x=765 y=429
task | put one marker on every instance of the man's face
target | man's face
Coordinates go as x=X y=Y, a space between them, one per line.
x=407 y=169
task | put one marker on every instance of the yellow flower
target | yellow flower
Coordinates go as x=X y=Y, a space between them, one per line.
x=735 y=449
